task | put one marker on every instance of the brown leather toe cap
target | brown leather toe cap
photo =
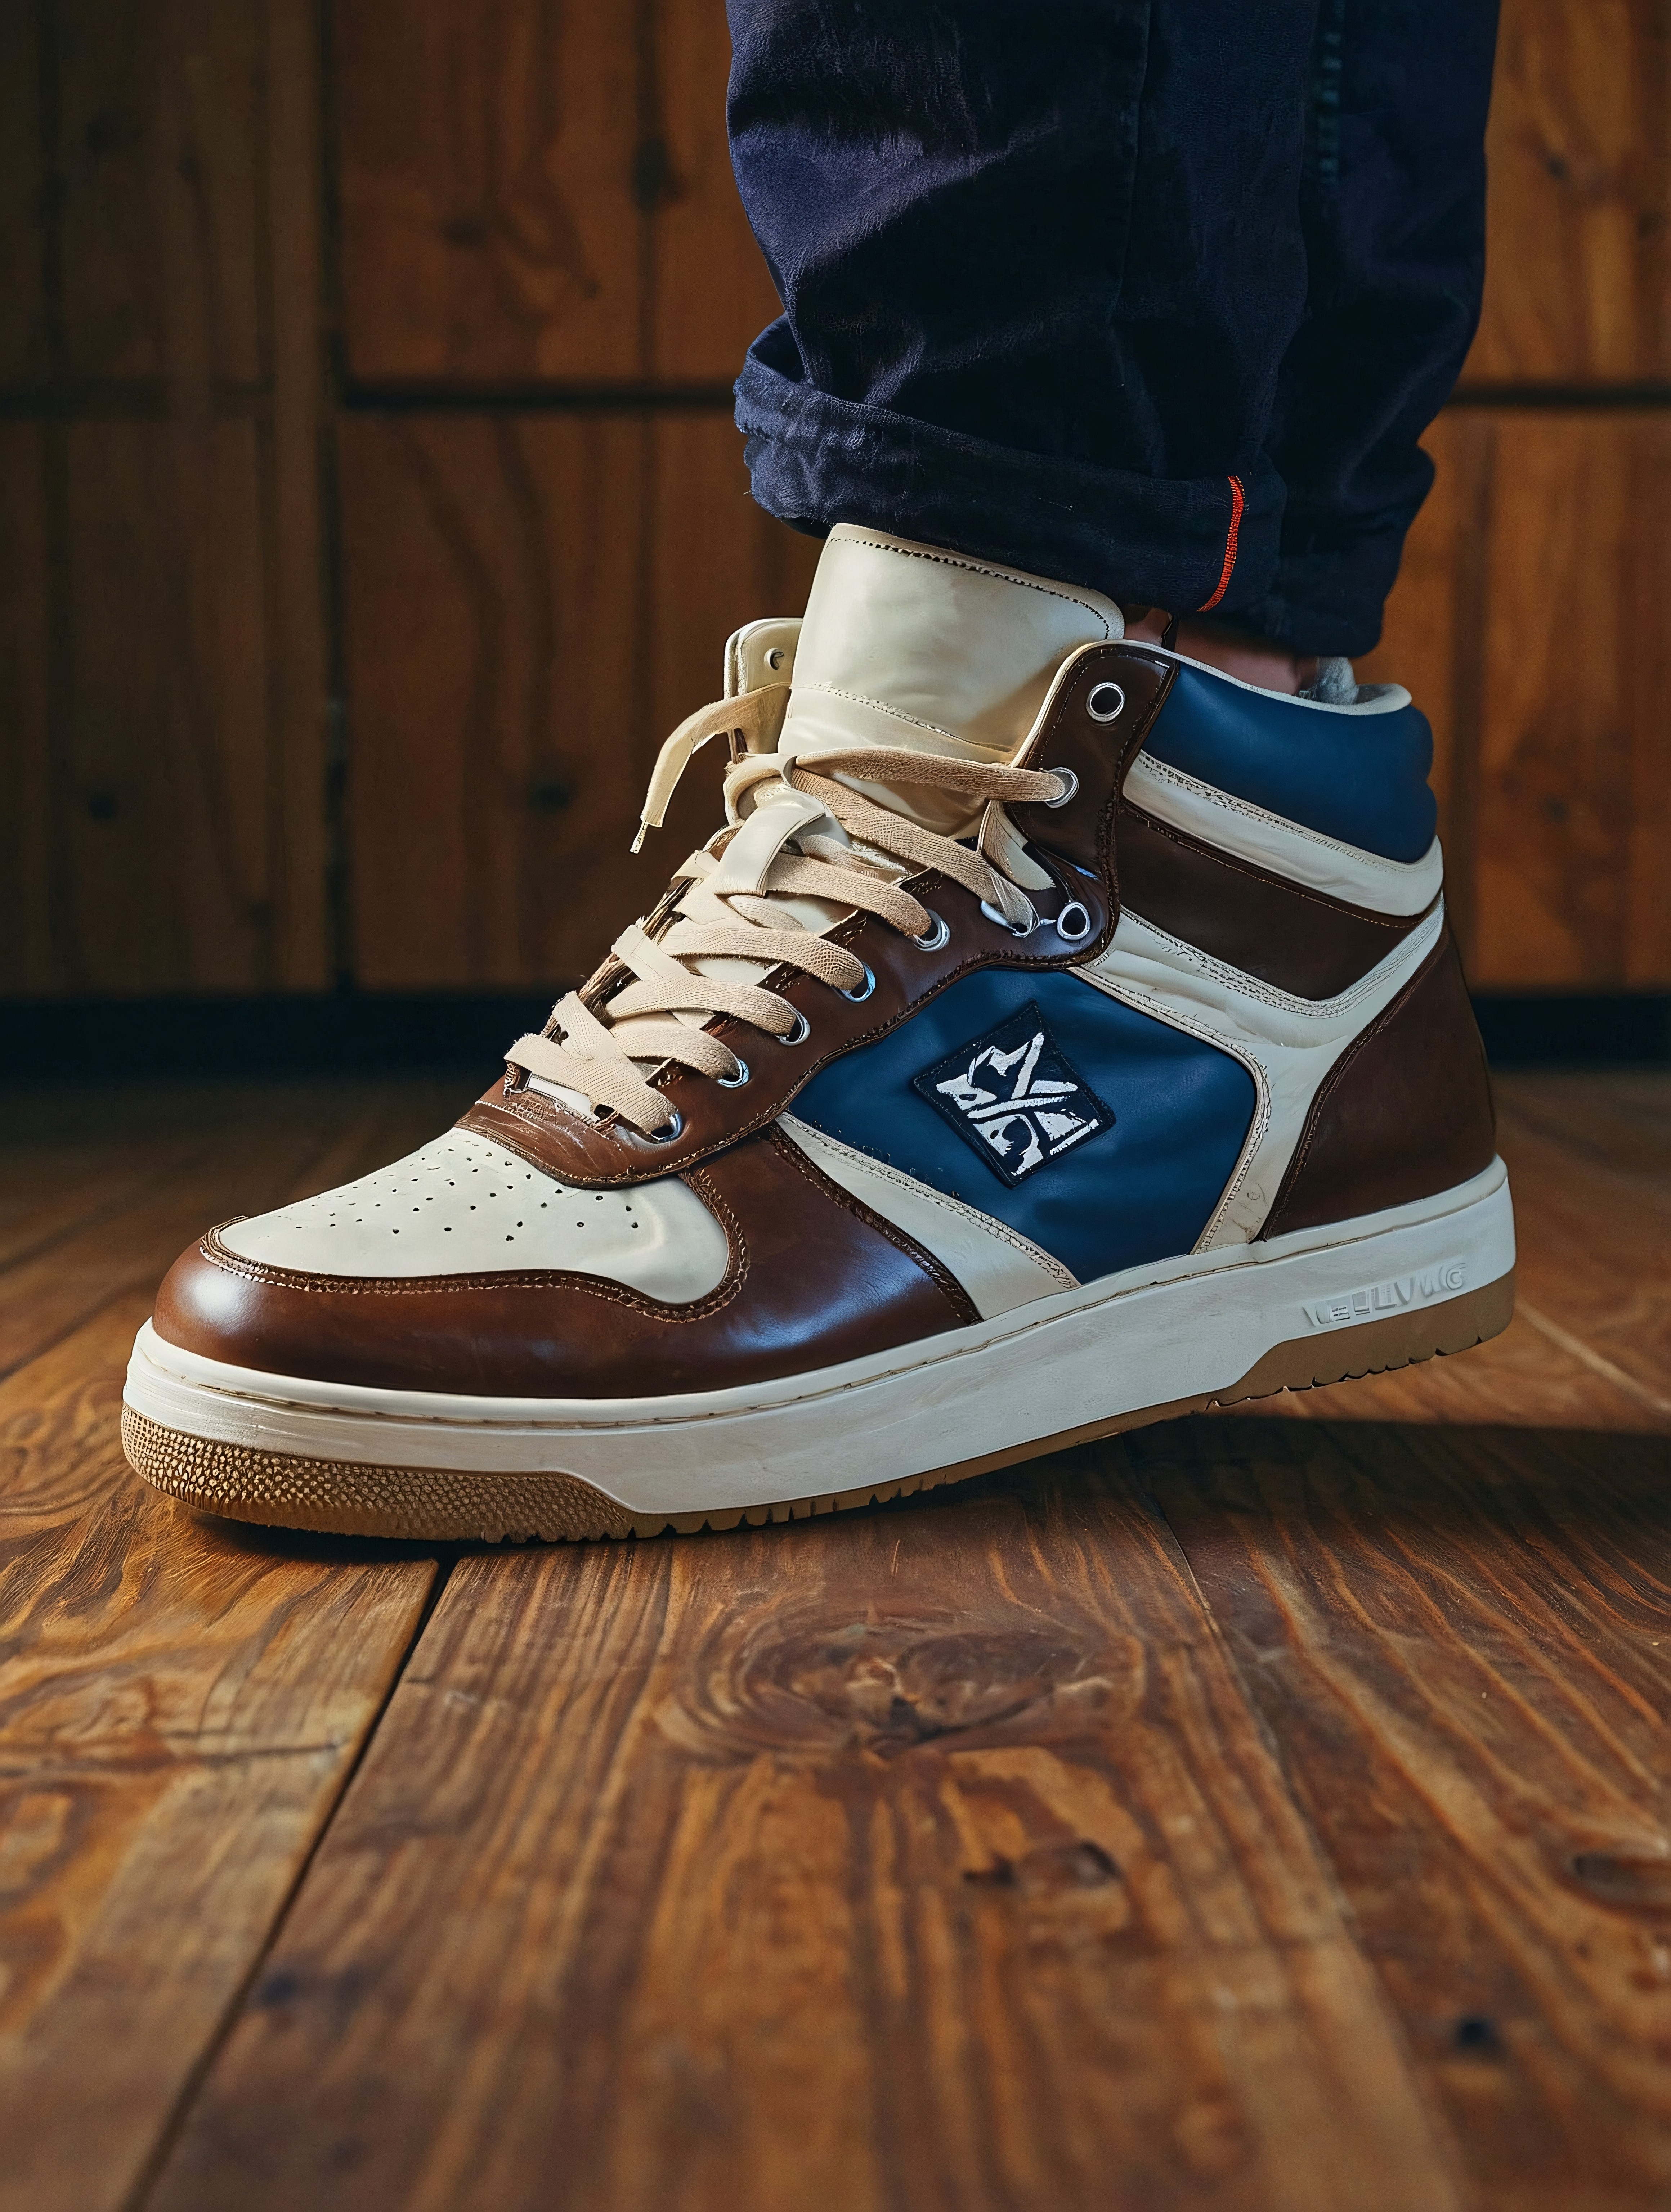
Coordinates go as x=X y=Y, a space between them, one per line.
x=815 y=1279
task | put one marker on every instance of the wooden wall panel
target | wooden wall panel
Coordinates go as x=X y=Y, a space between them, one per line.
x=712 y=292
x=1529 y=621
x=1574 y=756
x=534 y=600
x=26 y=916
x=531 y=190
x=489 y=226
x=164 y=842
x=164 y=669
x=160 y=135
x=23 y=347
x=137 y=664
x=1579 y=241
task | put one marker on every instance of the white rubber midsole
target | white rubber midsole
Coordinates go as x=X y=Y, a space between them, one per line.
x=1149 y=1337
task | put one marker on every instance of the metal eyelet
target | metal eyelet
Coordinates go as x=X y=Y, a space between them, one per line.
x=735 y=1082
x=669 y=1131
x=801 y=1032
x=1080 y=930
x=932 y=939
x=995 y=913
x=1104 y=691
x=860 y=991
x=1069 y=779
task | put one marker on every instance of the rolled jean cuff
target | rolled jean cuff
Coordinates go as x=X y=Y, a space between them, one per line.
x=1187 y=544
x=1329 y=597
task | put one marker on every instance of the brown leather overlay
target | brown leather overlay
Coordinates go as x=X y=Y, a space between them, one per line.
x=815 y=1279
x=1405 y=1113
x=1076 y=839
x=1300 y=940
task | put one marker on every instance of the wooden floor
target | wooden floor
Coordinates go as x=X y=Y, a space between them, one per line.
x=1266 y=1811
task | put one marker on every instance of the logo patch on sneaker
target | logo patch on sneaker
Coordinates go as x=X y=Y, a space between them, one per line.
x=1012 y=1096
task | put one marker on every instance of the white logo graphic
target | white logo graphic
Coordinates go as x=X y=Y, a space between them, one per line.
x=1015 y=1097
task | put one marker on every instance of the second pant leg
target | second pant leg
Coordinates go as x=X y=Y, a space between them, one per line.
x=1040 y=266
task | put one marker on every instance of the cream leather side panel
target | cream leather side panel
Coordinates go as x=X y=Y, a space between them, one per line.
x=997 y=1266
x=1304 y=855
x=1287 y=1044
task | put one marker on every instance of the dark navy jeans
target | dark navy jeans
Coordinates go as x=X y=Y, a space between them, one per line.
x=1155 y=296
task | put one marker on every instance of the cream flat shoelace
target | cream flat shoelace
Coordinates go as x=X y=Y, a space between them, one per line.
x=795 y=840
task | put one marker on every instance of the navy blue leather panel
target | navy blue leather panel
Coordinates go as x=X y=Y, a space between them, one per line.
x=1139 y=1191
x=1361 y=778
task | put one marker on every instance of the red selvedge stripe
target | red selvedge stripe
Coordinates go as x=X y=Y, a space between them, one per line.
x=1238 y=498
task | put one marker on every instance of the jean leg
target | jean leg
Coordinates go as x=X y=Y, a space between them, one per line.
x=1394 y=214
x=1040 y=263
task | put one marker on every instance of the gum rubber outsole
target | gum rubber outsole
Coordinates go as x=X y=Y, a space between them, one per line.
x=454 y=1505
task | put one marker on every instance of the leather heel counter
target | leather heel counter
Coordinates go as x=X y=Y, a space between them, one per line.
x=1405 y=1111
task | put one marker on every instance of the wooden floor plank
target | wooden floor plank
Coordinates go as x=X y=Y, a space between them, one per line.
x=1596 y=1252
x=926 y=1858
x=1460 y=1641
x=1620 y=1117
x=288 y=1141
x=180 y=1702
x=938 y=1857
x=52 y=1189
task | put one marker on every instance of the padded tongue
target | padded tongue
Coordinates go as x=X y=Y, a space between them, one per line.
x=904 y=646
x=910 y=646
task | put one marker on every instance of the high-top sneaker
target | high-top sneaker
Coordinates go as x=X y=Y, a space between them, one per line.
x=1058 y=1035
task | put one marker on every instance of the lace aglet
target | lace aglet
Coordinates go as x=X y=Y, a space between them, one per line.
x=638 y=842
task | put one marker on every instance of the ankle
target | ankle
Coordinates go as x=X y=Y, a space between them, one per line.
x=1235 y=652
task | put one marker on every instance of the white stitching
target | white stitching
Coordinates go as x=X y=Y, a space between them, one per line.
x=1192 y=785
x=893 y=714
x=978 y=568
x=1250 y=986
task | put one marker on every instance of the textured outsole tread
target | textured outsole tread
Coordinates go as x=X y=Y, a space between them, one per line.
x=452 y=1506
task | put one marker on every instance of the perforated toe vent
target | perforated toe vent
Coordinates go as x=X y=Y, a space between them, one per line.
x=463 y=1206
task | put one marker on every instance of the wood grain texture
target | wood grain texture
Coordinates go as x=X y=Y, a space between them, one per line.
x=221 y=1154
x=534 y=600
x=1574 y=820
x=1461 y=1642
x=304 y=952
x=179 y=1707
x=943 y=1857
x=170 y=777
x=532 y=192
x=1580 y=196
x=1593 y=1251
x=924 y=1859
x=166 y=843
x=1529 y=620
x=165 y=654
x=31 y=918
x=157 y=158
x=712 y=292
x=57 y=1184
x=24 y=345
